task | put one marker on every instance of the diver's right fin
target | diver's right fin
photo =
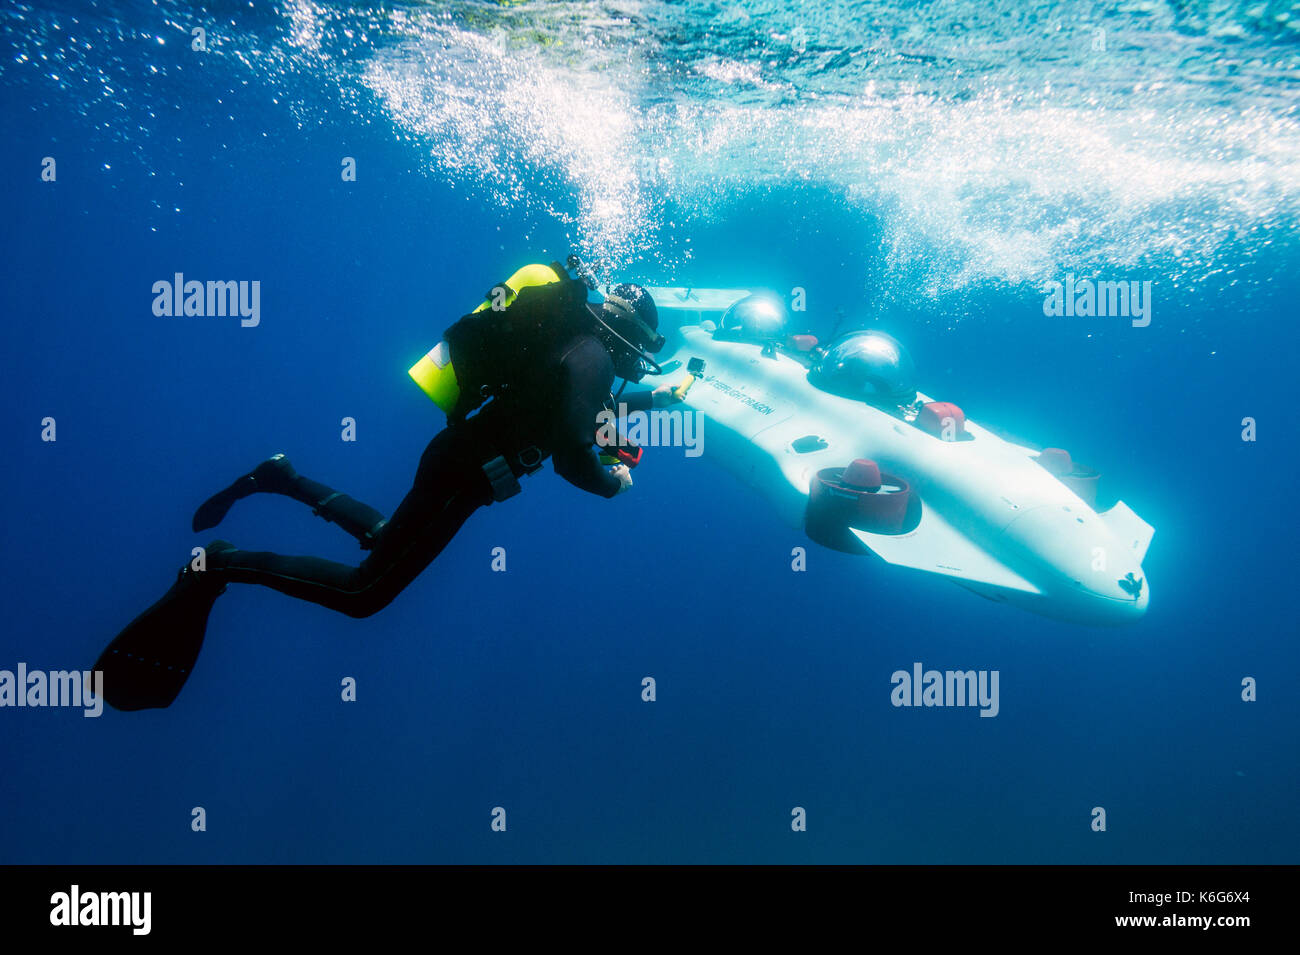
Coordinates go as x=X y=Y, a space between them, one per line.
x=274 y=474
x=937 y=547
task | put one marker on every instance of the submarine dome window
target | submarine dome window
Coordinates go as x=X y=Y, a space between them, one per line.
x=759 y=317
x=868 y=366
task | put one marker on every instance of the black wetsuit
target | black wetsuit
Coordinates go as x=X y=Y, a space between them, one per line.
x=555 y=416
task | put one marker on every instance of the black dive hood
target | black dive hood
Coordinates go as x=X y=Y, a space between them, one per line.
x=640 y=362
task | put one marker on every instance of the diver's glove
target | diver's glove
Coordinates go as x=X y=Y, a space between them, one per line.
x=624 y=475
x=665 y=395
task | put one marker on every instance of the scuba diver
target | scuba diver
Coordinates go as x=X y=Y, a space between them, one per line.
x=536 y=362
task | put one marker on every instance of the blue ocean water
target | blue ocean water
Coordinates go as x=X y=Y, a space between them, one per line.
x=920 y=169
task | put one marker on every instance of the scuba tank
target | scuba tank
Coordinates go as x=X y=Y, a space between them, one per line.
x=495 y=346
x=485 y=348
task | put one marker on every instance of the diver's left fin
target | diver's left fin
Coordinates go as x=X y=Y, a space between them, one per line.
x=147 y=664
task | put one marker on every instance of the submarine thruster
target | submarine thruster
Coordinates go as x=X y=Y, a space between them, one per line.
x=840 y=440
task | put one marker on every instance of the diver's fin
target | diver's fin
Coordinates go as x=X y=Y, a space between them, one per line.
x=274 y=474
x=1131 y=530
x=147 y=663
x=937 y=547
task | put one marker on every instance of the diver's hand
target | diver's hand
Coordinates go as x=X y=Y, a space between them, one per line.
x=664 y=395
x=624 y=475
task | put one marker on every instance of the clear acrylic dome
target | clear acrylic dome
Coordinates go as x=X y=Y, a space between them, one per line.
x=869 y=366
x=757 y=317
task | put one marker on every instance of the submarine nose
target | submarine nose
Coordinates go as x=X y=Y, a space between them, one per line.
x=1119 y=595
x=1095 y=579
x=1112 y=601
x=1134 y=584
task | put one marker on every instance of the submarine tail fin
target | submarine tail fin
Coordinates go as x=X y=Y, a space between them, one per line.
x=937 y=547
x=1129 y=528
x=697 y=300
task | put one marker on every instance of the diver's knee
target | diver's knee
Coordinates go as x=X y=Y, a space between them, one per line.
x=360 y=611
x=367 y=602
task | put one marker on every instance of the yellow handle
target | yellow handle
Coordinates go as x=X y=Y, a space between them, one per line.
x=682 y=387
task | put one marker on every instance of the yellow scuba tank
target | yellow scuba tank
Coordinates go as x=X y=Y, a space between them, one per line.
x=434 y=372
